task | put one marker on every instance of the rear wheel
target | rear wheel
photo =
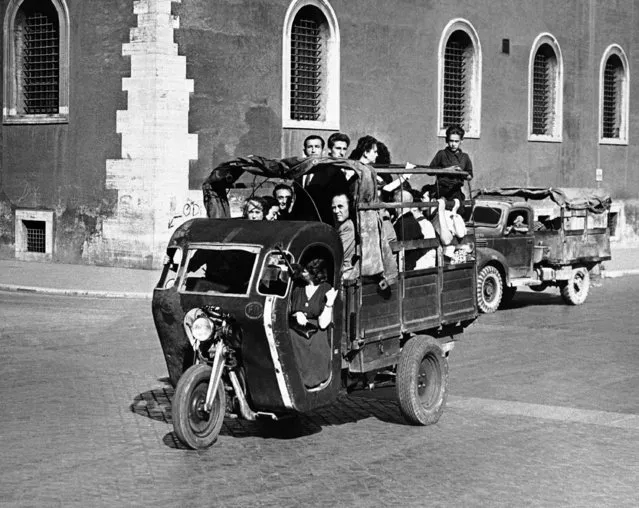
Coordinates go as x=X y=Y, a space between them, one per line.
x=194 y=426
x=490 y=289
x=575 y=290
x=422 y=381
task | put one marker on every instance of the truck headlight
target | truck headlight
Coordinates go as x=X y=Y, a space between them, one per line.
x=202 y=329
x=198 y=326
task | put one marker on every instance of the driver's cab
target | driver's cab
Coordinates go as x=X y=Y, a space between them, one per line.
x=247 y=269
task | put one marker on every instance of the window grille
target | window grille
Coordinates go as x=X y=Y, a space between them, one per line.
x=306 y=68
x=612 y=98
x=542 y=103
x=40 y=64
x=36 y=235
x=455 y=71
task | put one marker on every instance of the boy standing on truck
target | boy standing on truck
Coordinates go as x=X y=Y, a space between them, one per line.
x=450 y=187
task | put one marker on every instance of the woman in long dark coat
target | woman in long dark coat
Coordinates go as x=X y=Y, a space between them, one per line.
x=311 y=314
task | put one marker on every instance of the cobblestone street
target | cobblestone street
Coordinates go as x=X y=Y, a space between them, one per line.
x=542 y=412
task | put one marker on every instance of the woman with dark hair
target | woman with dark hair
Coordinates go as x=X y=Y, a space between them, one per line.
x=365 y=151
x=254 y=209
x=271 y=208
x=312 y=302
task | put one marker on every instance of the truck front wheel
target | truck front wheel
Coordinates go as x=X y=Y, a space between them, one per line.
x=575 y=290
x=490 y=289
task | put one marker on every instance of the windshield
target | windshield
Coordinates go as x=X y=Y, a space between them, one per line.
x=486 y=216
x=219 y=269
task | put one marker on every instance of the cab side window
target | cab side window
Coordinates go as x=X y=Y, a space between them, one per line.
x=517 y=222
x=275 y=275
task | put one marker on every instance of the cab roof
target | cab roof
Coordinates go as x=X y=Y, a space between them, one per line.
x=268 y=234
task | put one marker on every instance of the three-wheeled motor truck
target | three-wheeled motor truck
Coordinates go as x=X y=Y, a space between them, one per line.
x=222 y=310
x=538 y=237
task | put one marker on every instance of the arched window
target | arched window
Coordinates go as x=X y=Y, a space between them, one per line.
x=36 y=62
x=310 y=66
x=613 y=96
x=459 y=78
x=545 y=100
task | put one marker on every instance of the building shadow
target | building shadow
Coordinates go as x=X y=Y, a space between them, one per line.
x=156 y=405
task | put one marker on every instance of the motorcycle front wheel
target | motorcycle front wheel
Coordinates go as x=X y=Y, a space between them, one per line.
x=193 y=425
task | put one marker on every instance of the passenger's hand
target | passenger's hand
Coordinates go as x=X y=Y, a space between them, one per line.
x=331 y=295
x=301 y=318
x=410 y=166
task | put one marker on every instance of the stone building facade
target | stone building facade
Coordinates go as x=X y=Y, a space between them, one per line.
x=114 y=111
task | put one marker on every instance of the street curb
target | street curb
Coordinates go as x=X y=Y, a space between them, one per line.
x=75 y=292
x=611 y=274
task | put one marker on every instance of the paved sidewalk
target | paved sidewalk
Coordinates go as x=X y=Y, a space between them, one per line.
x=625 y=261
x=77 y=280
x=108 y=282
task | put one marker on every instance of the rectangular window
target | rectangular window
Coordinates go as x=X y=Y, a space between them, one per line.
x=36 y=235
x=454 y=84
x=40 y=65
x=306 y=70
x=222 y=270
x=541 y=94
x=486 y=216
x=611 y=100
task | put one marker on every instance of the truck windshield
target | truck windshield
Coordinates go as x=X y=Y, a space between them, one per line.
x=486 y=216
x=221 y=270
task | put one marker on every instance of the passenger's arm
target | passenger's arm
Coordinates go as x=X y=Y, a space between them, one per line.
x=441 y=223
x=326 y=316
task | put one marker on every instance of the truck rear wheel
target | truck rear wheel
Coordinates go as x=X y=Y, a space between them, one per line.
x=575 y=290
x=422 y=381
x=490 y=289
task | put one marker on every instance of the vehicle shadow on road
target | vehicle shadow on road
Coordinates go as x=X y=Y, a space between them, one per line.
x=156 y=405
x=529 y=299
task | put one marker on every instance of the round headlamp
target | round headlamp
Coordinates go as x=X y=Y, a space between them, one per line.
x=202 y=328
x=198 y=326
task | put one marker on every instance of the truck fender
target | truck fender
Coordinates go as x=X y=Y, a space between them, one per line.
x=487 y=256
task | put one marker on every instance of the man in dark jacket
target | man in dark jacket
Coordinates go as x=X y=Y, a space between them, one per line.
x=315 y=190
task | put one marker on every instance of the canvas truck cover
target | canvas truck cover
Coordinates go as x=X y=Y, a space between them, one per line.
x=571 y=198
x=377 y=257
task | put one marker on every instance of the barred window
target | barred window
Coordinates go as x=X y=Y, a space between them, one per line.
x=308 y=47
x=36 y=235
x=36 y=61
x=543 y=87
x=456 y=57
x=612 y=95
x=310 y=66
x=459 y=78
x=39 y=55
x=545 y=84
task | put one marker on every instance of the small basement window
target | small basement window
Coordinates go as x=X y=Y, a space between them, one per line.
x=36 y=235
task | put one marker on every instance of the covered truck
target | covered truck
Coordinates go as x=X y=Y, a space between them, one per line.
x=538 y=237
